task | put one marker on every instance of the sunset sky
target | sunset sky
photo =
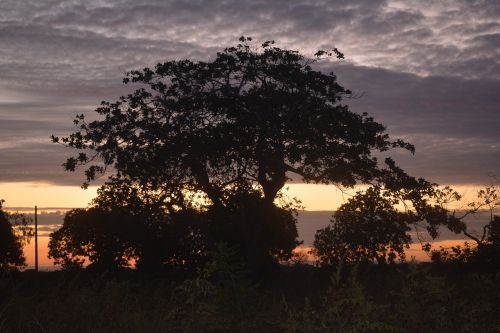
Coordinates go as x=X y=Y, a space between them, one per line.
x=428 y=70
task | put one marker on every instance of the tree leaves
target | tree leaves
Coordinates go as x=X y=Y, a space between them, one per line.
x=248 y=116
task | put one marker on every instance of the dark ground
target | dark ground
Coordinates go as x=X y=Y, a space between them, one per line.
x=222 y=298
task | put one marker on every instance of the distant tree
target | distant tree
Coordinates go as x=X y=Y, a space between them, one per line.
x=14 y=233
x=368 y=228
x=247 y=119
x=95 y=235
x=111 y=237
x=483 y=248
x=374 y=225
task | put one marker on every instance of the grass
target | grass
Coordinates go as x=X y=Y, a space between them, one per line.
x=221 y=298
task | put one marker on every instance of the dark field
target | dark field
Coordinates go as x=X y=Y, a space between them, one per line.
x=222 y=297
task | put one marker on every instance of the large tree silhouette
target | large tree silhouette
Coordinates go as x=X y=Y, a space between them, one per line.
x=248 y=116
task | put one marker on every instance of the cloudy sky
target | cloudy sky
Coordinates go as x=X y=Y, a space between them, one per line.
x=429 y=70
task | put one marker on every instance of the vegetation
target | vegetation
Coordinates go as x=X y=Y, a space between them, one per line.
x=366 y=228
x=198 y=154
x=14 y=233
x=486 y=248
x=219 y=298
x=218 y=140
x=96 y=234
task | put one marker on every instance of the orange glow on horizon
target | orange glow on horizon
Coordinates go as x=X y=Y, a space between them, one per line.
x=316 y=197
x=43 y=251
x=313 y=196
x=415 y=251
x=45 y=195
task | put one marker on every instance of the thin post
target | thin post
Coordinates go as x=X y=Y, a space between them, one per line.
x=36 y=240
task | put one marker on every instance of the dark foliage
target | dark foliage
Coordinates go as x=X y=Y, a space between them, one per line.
x=243 y=121
x=219 y=298
x=110 y=235
x=245 y=117
x=366 y=228
x=485 y=254
x=262 y=232
x=374 y=225
x=100 y=236
x=484 y=248
x=163 y=234
x=14 y=233
x=115 y=239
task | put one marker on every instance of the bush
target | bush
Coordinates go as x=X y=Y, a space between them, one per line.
x=485 y=253
x=113 y=239
x=100 y=236
x=14 y=233
x=368 y=228
x=262 y=232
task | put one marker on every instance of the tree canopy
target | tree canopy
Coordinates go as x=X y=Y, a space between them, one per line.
x=92 y=234
x=249 y=116
x=374 y=224
x=366 y=228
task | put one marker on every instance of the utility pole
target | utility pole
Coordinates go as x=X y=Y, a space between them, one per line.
x=36 y=240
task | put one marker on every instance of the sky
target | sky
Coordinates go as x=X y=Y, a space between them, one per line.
x=428 y=70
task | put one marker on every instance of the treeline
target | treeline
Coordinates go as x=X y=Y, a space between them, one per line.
x=370 y=227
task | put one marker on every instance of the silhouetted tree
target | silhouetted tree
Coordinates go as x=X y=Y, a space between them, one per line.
x=488 y=199
x=484 y=248
x=245 y=213
x=374 y=225
x=247 y=116
x=494 y=231
x=101 y=237
x=163 y=233
x=247 y=119
x=173 y=235
x=14 y=233
x=123 y=225
x=367 y=228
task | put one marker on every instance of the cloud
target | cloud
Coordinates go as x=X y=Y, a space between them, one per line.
x=36 y=162
x=453 y=122
x=410 y=104
x=413 y=36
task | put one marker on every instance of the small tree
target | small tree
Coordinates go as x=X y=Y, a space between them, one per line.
x=373 y=225
x=122 y=225
x=163 y=233
x=367 y=228
x=93 y=234
x=14 y=233
x=484 y=247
